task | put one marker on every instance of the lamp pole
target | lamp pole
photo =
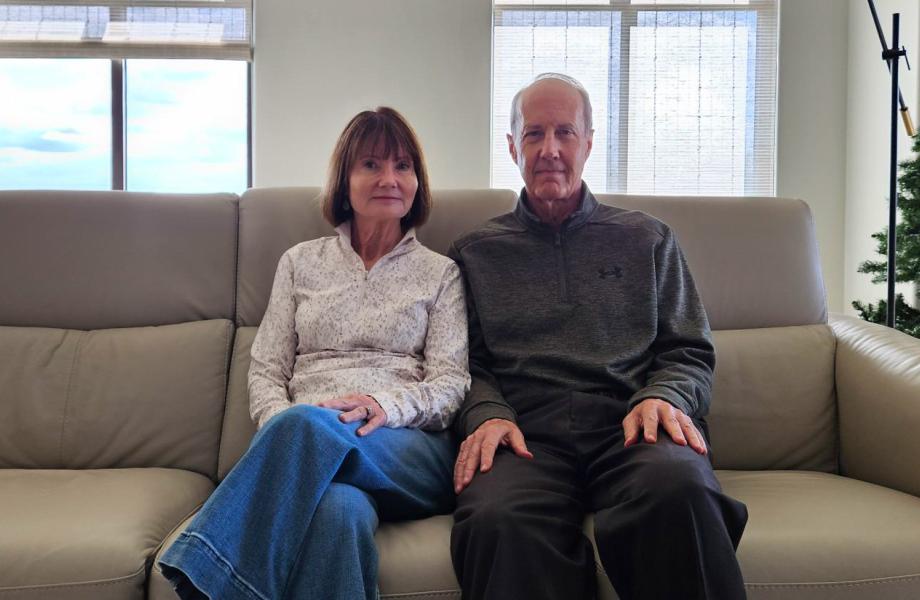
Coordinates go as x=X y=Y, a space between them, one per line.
x=892 y=57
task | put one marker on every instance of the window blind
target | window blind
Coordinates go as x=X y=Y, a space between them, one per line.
x=220 y=29
x=683 y=92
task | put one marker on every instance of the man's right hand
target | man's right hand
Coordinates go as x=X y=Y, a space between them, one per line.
x=478 y=450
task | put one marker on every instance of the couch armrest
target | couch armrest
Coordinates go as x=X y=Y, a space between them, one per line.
x=878 y=396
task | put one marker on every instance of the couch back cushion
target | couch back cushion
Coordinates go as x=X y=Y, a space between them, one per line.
x=773 y=401
x=755 y=261
x=274 y=219
x=721 y=237
x=96 y=260
x=131 y=397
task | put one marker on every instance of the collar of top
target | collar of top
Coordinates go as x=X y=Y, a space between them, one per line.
x=580 y=216
x=406 y=244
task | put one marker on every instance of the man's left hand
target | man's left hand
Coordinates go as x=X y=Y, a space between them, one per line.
x=652 y=412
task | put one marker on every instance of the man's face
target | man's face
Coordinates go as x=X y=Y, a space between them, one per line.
x=552 y=145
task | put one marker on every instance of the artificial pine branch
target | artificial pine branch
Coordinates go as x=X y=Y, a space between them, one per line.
x=907 y=235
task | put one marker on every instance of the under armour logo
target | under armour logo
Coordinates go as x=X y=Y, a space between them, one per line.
x=605 y=273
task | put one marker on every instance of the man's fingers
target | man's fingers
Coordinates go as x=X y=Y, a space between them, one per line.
x=631 y=426
x=516 y=439
x=487 y=453
x=674 y=429
x=650 y=426
x=460 y=464
x=472 y=461
x=695 y=438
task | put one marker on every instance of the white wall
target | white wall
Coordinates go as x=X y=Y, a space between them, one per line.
x=868 y=135
x=318 y=62
x=811 y=135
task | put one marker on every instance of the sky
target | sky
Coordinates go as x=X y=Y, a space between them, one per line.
x=186 y=119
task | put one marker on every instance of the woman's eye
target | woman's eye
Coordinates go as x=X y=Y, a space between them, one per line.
x=404 y=166
x=369 y=164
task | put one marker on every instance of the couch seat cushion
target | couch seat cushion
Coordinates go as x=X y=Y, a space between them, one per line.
x=810 y=536
x=817 y=536
x=414 y=561
x=88 y=534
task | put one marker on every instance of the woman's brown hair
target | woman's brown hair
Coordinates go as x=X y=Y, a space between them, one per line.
x=382 y=129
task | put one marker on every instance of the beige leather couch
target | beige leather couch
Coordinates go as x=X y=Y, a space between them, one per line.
x=126 y=326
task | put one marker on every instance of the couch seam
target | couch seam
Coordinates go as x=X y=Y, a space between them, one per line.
x=159 y=547
x=421 y=594
x=228 y=363
x=97 y=583
x=73 y=368
x=837 y=584
x=236 y=265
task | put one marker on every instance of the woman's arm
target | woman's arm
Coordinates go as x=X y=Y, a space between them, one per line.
x=274 y=349
x=432 y=403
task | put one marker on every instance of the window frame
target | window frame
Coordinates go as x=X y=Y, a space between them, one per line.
x=120 y=125
x=763 y=156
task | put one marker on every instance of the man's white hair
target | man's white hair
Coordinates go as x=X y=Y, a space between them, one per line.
x=570 y=81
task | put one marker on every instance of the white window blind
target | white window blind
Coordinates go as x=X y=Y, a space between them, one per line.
x=219 y=29
x=683 y=92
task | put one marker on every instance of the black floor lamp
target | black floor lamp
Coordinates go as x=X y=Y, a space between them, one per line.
x=892 y=56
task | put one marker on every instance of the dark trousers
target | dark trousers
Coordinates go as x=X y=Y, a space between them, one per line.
x=663 y=528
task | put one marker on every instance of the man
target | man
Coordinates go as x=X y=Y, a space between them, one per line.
x=592 y=362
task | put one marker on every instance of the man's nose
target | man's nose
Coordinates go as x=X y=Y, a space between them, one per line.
x=550 y=147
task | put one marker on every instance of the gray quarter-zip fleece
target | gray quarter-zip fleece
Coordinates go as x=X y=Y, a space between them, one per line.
x=605 y=306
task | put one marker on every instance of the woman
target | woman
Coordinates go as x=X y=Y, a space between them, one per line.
x=362 y=347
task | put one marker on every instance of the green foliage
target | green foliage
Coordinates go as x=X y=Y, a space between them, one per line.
x=907 y=318
x=907 y=264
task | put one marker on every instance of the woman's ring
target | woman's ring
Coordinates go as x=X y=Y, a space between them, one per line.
x=369 y=412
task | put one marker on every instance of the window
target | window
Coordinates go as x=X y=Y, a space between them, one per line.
x=186 y=126
x=125 y=94
x=683 y=92
x=55 y=126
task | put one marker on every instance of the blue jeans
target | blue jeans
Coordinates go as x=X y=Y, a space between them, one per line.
x=296 y=516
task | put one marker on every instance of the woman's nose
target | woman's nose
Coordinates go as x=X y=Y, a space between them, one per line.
x=388 y=175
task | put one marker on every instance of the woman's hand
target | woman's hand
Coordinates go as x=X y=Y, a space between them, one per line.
x=358 y=407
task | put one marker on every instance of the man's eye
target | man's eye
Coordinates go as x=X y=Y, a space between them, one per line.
x=531 y=134
x=566 y=132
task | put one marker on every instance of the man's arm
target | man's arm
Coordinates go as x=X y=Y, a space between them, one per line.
x=684 y=357
x=484 y=401
x=485 y=420
x=679 y=379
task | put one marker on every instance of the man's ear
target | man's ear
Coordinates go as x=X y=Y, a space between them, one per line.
x=590 y=142
x=511 y=148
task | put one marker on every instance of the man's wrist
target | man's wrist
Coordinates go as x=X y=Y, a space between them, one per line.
x=478 y=415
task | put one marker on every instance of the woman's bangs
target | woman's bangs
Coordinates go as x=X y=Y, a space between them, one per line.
x=383 y=139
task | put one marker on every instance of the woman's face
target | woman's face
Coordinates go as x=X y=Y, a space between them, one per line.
x=382 y=188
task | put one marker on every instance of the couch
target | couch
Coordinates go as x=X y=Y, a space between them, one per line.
x=126 y=321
